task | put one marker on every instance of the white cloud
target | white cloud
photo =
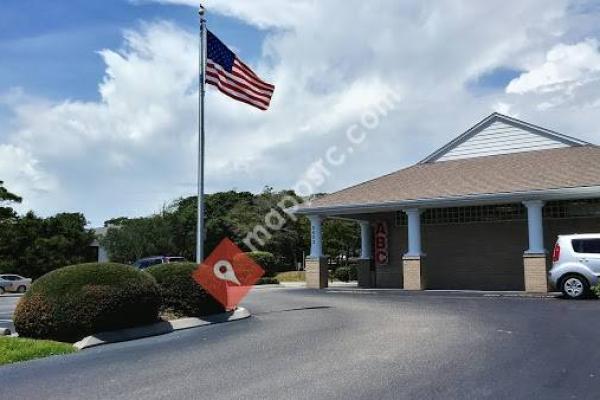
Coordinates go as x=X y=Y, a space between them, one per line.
x=565 y=67
x=22 y=174
x=261 y=13
x=135 y=148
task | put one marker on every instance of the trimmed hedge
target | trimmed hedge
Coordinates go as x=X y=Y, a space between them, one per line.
x=266 y=261
x=79 y=300
x=181 y=294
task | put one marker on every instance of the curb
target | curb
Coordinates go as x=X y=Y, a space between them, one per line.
x=442 y=293
x=159 y=328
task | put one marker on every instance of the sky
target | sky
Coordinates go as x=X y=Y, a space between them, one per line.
x=99 y=99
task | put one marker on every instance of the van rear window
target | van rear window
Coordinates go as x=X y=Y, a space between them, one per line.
x=587 y=246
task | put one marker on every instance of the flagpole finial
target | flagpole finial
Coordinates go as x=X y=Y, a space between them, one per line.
x=201 y=11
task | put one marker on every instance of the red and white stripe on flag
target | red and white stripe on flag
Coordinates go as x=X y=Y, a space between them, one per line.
x=241 y=83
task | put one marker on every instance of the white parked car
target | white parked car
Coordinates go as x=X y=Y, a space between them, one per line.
x=14 y=283
x=576 y=264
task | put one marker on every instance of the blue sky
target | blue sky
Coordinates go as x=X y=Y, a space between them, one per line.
x=98 y=98
x=50 y=47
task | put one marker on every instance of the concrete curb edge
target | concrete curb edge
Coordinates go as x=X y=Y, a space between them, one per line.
x=159 y=328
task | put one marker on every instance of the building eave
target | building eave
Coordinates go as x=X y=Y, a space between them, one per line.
x=456 y=201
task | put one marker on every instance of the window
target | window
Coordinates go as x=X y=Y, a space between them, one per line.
x=567 y=209
x=586 y=246
x=465 y=215
x=572 y=209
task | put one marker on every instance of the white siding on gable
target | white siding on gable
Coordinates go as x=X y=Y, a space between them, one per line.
x=500 y=138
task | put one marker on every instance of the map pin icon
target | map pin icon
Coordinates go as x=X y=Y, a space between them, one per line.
x=224 y=271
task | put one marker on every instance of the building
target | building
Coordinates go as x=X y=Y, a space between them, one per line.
x=480 y=213
x=100 y=253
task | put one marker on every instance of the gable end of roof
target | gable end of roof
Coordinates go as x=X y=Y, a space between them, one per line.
x=497 y=117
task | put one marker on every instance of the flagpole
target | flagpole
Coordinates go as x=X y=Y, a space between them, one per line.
x=201 y=93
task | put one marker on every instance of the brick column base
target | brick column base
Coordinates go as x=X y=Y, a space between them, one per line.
x=536 y=277
x=317 y=275
x=363 y=269
x=413 y=273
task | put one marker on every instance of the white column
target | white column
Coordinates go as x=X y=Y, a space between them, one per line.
x=316 y=237
x=365 y=240
x=414 y=232
x=536 y=226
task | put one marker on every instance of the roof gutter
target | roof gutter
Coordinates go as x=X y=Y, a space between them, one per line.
x=584 y=192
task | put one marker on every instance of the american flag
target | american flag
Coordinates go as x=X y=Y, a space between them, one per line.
x=234 y=78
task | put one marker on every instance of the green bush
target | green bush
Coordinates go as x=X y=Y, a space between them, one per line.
x=181 y=294
x=79 y=300
x=266 y=261
x=353 y=273
x=342 y=274
x=596 y=290
x=346 y=274
x=268 y=281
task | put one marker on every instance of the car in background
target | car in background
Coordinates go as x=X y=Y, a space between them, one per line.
x=14 y=283
x=575 y=264
x=146 y=262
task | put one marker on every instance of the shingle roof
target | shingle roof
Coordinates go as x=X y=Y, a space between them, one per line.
x=522 y=172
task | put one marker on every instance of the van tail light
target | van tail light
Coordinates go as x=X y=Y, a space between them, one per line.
x=556 y=253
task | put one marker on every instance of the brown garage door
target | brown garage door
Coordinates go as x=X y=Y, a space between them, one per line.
x=476 y=256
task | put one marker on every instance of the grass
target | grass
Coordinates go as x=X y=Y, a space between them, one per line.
x=291 y=276
x=18 y=349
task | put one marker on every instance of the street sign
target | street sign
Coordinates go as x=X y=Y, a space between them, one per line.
x=228 y=274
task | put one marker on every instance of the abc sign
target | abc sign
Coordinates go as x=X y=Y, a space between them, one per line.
x=381 y=243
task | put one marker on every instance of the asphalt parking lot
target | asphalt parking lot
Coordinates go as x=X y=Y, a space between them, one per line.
x=304 y=344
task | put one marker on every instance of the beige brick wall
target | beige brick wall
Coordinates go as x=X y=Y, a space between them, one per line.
x=413 y=277
x=535 y=273
x=316 y=273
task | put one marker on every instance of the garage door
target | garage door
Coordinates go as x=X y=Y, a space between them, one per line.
x=475 y=256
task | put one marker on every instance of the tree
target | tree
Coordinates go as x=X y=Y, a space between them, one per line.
x=139 y=237
x=7 y=197
x=341 y=239
x=32 y=246
x=229 y=214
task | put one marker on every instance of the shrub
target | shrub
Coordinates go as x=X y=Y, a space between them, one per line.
x=268 y=281
x=342 y=274
x=79 y=300
x=266 y=260
x=596 y=290
x=353 y=273
x=181 y=294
